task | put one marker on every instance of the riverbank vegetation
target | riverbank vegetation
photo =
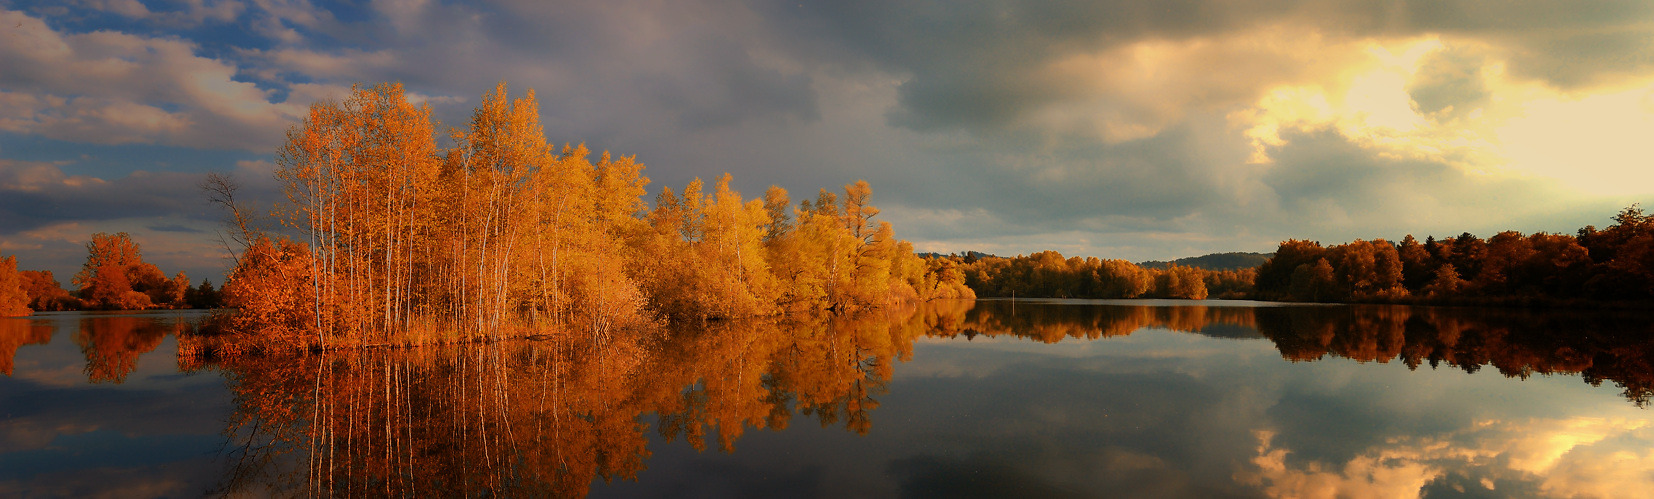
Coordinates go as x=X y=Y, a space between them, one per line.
x=1612 y=267
x=401 y=241
x=1615 y=264
x=114 y=277
x=1047 y=274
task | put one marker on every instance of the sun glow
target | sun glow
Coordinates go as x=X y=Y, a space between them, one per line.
x=1589 y=141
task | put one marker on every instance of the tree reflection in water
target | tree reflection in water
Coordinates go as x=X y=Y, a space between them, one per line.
x=1616 y=347
x=15 y=333
x=112 y=344
x=545 y=418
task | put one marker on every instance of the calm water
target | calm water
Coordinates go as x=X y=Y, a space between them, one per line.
x=986 y=399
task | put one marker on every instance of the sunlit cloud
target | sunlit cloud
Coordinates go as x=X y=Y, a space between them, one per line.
x=1476 y=117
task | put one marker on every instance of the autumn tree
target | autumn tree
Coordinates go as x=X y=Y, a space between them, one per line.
x=1121 y=279
x=1277 y=276
x=503 y=233
x=1415 y=263
x=1510 y=267
x=14 y=301
x=45 y=293
x=241 y=224
x=272 y=290
x=106 y=280
x=1178 y=281
x=1315 y=282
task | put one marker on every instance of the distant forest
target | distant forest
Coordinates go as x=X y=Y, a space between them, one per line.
x=1614 y=264
x=1047 y=274
x=1611 y=264
x=1214 y=261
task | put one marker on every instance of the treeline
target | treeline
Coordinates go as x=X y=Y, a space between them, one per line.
x=1615 y=264
x=114 y=277
x=1048 y=275
x=1612 y=264
x=503 y=233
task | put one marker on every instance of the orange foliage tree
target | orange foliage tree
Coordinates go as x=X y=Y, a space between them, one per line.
x=271 y=287
x=14 y=301
x=45 y=293
x=115 y=277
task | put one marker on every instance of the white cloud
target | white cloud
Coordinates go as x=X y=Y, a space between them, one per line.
x=106 y=87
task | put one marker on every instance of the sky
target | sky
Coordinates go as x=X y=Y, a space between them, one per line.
x=1115 y=129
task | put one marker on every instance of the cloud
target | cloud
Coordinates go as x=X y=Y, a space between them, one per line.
x=34 y=195
x=47 y=216
x=989 y=64
x=175 y=228
x=1103 y=128
x=1450 y=84
x=1574 y=457
x=1324 y=182
x=106 y=87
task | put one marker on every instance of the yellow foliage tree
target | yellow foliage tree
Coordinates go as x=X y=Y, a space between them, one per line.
x=503 y=234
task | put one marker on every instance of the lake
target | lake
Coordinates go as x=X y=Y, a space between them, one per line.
x=992 y=398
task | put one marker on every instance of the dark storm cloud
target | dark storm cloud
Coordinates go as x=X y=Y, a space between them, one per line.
x=1160 y=177
x=604 y=66
x=974 y=65
x=733 y=90
x=33 y=195
x=175 y=228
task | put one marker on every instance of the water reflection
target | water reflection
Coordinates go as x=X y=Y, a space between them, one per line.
x=15 y=333
x=1052 y=321
x=543 y=418
x=1616 y=347
x=553 y=416
x=112 y=344
x=68 y=429
x=547 y=417
x=1600 y=346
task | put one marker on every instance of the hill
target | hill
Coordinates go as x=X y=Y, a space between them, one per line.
x=1215 y=261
